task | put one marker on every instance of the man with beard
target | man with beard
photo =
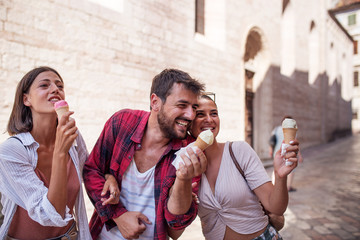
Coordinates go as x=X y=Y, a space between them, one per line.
x=137 y=148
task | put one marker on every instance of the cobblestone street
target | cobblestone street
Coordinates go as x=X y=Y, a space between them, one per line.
x=326 y=203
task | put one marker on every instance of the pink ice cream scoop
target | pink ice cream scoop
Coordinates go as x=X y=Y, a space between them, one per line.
x=61 y=107
x=61 y=103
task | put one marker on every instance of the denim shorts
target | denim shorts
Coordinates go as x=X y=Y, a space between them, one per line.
x=270 y=233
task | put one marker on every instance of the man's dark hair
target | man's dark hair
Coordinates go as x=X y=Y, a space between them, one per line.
x=21 y=118
x=164 y=81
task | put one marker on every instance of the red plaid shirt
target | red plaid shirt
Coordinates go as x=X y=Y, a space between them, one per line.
x=112 y=153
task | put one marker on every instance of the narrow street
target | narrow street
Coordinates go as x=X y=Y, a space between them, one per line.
x=326 y=204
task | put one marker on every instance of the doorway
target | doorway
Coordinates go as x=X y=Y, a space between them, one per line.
x=253 y=47
x=249 y=105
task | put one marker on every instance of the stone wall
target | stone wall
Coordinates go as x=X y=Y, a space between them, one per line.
x=108 y=58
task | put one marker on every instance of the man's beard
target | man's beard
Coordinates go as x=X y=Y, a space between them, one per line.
x=166 y=126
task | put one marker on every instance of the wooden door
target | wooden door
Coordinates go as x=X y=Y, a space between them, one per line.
x=249 y=102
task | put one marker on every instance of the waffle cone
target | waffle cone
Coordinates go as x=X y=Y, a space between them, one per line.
x=201 y=144
x=61 y=111
x=289 y=134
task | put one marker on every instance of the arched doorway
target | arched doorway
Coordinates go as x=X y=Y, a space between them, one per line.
x=249 y=105
x=251 y=61
x=257 y=82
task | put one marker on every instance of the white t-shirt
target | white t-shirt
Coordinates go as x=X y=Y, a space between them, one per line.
x=137 y=194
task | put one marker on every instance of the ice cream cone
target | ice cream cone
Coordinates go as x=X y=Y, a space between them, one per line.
x=289 y=128
x=205 y=139
x=61 y=107
x=201 y=144
x=289 y=134
x=61 y=111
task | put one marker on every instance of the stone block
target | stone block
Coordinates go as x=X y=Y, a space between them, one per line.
x=322 y=230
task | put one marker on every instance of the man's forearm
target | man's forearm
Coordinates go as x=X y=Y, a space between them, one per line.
x=180 y=197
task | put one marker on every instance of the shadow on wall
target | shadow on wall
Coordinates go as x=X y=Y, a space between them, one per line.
x=319 y=109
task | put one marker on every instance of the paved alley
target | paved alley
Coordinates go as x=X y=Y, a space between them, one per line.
x=326 y=204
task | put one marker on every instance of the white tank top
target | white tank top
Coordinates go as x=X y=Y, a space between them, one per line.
x=137 y=194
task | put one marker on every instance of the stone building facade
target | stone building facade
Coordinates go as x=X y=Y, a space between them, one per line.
x=262 y=59
x=348 y=14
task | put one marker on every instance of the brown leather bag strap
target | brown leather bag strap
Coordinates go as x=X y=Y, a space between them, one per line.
x=275 y=220
x=239 y=168
x=235 y=161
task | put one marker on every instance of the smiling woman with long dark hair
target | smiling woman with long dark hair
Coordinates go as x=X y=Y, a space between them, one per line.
x=40 y=167
x=41 y=164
